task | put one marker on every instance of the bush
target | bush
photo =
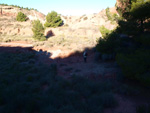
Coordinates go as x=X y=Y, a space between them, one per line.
x=21 y=17
x=38 y=30
x=104 y=31
x=112 y=17
x=135 y=66
x=108 y=44
x=53 y=20
x=108 y=14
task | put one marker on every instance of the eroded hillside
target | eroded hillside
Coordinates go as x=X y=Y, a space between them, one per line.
x=74 y=26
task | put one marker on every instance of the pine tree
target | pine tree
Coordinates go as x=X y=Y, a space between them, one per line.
x=140 y=11
x=53 y=20
x=38 y=30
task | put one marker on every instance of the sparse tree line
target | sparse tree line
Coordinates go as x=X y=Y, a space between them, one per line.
x=19 y=7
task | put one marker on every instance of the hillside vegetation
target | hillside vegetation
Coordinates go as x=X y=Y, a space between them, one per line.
x=75 y=26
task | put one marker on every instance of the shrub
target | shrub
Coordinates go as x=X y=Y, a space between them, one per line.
x=53 y=20
x=108 y=14
x=21 y=17
x=38 y=30
x=104 y=31
x=108 y=44
x=112 y=17
x=135 y=66
x=116 y=17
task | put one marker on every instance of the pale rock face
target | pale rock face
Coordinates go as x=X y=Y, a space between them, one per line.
x=32 y=17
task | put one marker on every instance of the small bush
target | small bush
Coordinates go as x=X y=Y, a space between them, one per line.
x=21 y=17
x=104 y=31
x=38 y=30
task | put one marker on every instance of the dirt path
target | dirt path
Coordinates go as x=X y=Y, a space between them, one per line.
x=75 y=65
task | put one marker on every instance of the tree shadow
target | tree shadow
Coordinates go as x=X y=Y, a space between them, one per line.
x=49 y=34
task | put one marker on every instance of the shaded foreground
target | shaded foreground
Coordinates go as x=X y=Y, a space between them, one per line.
x=30 y=82
x=28 y=85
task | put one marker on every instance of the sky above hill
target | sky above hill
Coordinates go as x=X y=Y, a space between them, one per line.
x=64 y=7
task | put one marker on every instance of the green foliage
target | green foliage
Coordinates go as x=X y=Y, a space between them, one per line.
x=19 y=7
x=53 y=20
x=131 y=41
x=108 y=44
x=128 y=27
x=38 y=30
x=108 y=14
x=137 y=18
x=140 y=12
x=126 y=4
x=4 y=4
x=135 y=66
x=21 y=17
x=111 y=17
x=104 y=31
x=115 y=17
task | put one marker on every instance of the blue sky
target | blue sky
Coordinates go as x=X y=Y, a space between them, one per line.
x=64 y=7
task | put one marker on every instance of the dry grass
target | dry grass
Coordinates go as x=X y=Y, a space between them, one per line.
x=10 y=38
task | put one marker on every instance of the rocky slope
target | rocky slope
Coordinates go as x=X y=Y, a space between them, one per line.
x=74 y=26
x=9 y=25
x=84 y=26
